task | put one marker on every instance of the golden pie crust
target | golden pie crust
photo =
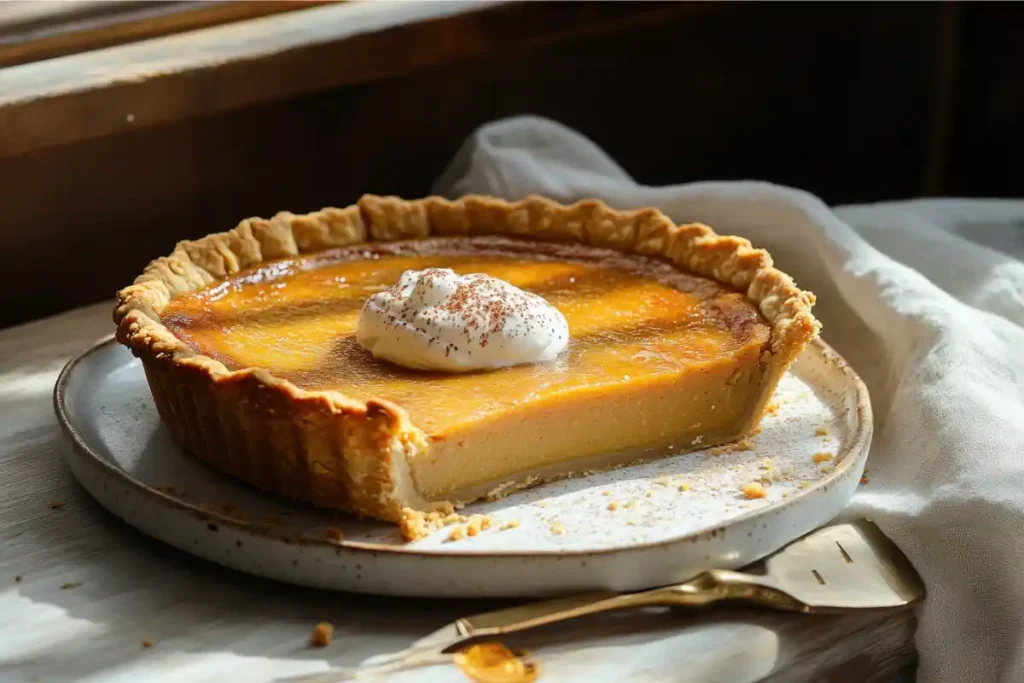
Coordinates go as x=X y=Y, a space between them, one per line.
x=335 y=451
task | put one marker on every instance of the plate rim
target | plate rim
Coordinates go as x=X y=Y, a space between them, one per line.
x=858 y=444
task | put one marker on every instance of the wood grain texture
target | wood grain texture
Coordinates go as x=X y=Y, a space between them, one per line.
x=223 y=68
x=690 y=96
x=80 y=591
x=33 y=31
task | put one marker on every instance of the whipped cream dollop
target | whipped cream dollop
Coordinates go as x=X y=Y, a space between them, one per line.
x=435 y=319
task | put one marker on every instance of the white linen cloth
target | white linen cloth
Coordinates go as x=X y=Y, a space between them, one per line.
x=926 y=300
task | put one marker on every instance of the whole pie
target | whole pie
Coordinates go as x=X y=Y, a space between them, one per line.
x=252 y=347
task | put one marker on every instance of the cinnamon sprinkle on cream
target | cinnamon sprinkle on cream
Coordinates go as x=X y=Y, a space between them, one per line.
x=435 y=319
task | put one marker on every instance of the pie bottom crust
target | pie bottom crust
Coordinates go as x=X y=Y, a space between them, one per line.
x=337 y=452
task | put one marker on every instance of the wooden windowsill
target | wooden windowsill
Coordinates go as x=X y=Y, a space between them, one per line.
x=34 y=30
x=213 y=70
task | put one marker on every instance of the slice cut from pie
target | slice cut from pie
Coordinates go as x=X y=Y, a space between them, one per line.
x=678 y=337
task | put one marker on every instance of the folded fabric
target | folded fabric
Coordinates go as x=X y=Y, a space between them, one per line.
x=926 y=300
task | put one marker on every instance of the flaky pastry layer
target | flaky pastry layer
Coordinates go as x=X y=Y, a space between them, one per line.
x=335 y=451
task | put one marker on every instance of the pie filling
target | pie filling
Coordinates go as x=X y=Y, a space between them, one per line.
x=658 y=360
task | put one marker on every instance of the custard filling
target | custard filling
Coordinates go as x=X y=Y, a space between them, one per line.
x=647 y=343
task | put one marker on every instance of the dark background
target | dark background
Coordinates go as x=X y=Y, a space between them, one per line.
x=853 y=102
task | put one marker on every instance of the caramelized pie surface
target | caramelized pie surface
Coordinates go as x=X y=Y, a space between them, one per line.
x=679 y=336
x=635 y=324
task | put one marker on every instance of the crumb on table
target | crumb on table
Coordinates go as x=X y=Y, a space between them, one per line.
x=753 y=490
x=55 y=505
x=557 y=528
x=821 y=431
x=334 y=534
x=685 y=486
x=613 y=506
x=147 y=643
x=456 y=534
x=71 y=584
x=322 y=635
x=744 y=445
x=822 y=456
x=510 y=524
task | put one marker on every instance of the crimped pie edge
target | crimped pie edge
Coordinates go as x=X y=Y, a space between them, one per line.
x=197 y=391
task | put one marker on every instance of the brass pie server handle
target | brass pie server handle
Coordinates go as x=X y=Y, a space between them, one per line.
x=835 y=569
x=706 y=588
x=847 y=567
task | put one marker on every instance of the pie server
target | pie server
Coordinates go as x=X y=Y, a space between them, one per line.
x=835 y=569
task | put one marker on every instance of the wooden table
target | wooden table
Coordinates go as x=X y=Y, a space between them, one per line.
x=82 y=591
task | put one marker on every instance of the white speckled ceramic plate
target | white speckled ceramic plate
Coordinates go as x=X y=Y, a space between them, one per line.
x=628 y=529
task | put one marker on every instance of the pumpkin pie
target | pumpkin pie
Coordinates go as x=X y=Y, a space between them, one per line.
x=678 y=338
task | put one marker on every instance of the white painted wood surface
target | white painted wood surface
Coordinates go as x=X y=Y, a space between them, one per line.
x=91 y=589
